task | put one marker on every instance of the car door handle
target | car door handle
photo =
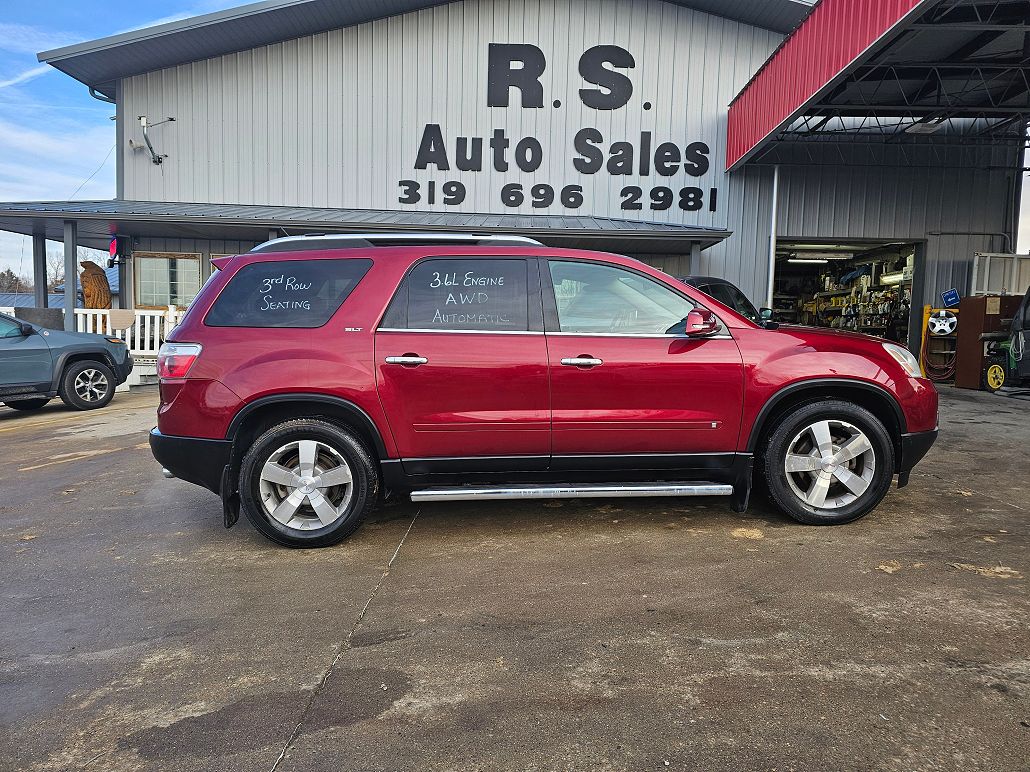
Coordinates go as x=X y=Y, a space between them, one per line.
x=407 y=359
x=582 y=362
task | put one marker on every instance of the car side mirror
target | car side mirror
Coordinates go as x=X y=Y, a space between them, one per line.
x=27 y=329
x=699 y=323
x=766 y=314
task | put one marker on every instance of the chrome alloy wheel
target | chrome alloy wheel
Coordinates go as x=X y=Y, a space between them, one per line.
x=90 y=385
x=306 y=485
x=830 y=464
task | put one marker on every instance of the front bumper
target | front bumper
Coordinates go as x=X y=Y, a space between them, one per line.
x=121 y=371
x=913 y=447
x=199 y=461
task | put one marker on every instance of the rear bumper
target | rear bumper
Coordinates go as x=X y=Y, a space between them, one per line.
x=913 y=447
x=198 y=461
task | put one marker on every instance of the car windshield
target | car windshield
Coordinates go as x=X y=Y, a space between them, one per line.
x=9 y=328
x=730 y=296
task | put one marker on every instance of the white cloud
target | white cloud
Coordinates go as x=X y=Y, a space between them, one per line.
x=46 y=151
x=29 y=74
x=49 y=163
x=197 y=9
x=24 y=39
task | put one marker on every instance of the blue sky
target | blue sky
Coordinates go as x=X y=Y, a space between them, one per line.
x=53 y=134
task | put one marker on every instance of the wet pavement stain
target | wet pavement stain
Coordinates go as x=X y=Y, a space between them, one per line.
x=363 y=638
x=263 y=720
x=253 y=722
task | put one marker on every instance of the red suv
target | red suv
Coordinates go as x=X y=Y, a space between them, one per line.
x=314 y=374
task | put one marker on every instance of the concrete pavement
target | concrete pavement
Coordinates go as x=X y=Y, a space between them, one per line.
x=136 y=633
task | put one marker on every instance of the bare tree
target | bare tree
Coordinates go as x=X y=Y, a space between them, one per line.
x=54 y=267
x=55 y=262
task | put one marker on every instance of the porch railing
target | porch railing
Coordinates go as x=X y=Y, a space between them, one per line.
x=143 y=338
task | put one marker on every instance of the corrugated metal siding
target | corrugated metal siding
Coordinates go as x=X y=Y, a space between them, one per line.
x=334 y=119
x=835 y=33
x=100 y=63
x=833 y=202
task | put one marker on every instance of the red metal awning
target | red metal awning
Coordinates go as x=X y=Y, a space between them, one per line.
x=833 y=37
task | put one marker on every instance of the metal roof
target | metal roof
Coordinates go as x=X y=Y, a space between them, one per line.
x=97 y=220
x=910 y=73
x=113 y=280
x=28 y=300
x=101 y=63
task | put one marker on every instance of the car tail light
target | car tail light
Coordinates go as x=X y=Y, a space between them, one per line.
x=174 y=360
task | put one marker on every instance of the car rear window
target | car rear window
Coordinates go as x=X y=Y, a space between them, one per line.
x=288 y=293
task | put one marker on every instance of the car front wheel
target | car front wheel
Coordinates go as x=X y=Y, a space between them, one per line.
x=829 y=463
x=87 y=385
x=307 y=483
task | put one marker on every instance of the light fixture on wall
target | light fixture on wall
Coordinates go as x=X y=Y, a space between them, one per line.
x=822 y=255
x=892 y=278
x=808 y=261
x=155 y=157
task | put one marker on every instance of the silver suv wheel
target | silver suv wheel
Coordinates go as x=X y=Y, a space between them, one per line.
x=305 y=485
x=91 y=385
x=830 y=464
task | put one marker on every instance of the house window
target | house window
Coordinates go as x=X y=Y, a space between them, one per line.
x=166 y=278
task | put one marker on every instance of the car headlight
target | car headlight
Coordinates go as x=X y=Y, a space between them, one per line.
x=905 y=358
x=115 y=340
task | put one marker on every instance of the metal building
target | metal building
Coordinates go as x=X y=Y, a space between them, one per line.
x=722 y=137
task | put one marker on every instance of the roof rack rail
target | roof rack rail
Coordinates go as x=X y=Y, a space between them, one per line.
x=313 y=241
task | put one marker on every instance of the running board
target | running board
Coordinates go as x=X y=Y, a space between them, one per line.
x=586 y=491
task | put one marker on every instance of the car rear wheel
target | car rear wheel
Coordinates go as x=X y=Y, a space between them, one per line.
x=87 y=385
x=828 y=463
x=27 y=404
x=307 y=483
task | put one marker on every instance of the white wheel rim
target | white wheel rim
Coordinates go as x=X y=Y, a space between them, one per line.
x=830 y=464
x=305 y=485
x=90 y=385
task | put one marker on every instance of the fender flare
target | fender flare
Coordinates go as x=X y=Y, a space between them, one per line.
x=813 y=384
x=61 y=361
x=352 y=410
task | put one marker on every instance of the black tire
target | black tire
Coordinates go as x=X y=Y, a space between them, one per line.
x=786 y=489
x=353 y=508
x=28 y=404
x=91 y=398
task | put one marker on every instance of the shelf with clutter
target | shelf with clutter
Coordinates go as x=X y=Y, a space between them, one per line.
x=869 y=292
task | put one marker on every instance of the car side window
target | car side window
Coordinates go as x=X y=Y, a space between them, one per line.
x=482 y=295
x=9 y=328
x=594 y=298
x=730 y=296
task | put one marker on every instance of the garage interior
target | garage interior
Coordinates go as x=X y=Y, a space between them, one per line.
x=859 y=286
x=945 y=87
